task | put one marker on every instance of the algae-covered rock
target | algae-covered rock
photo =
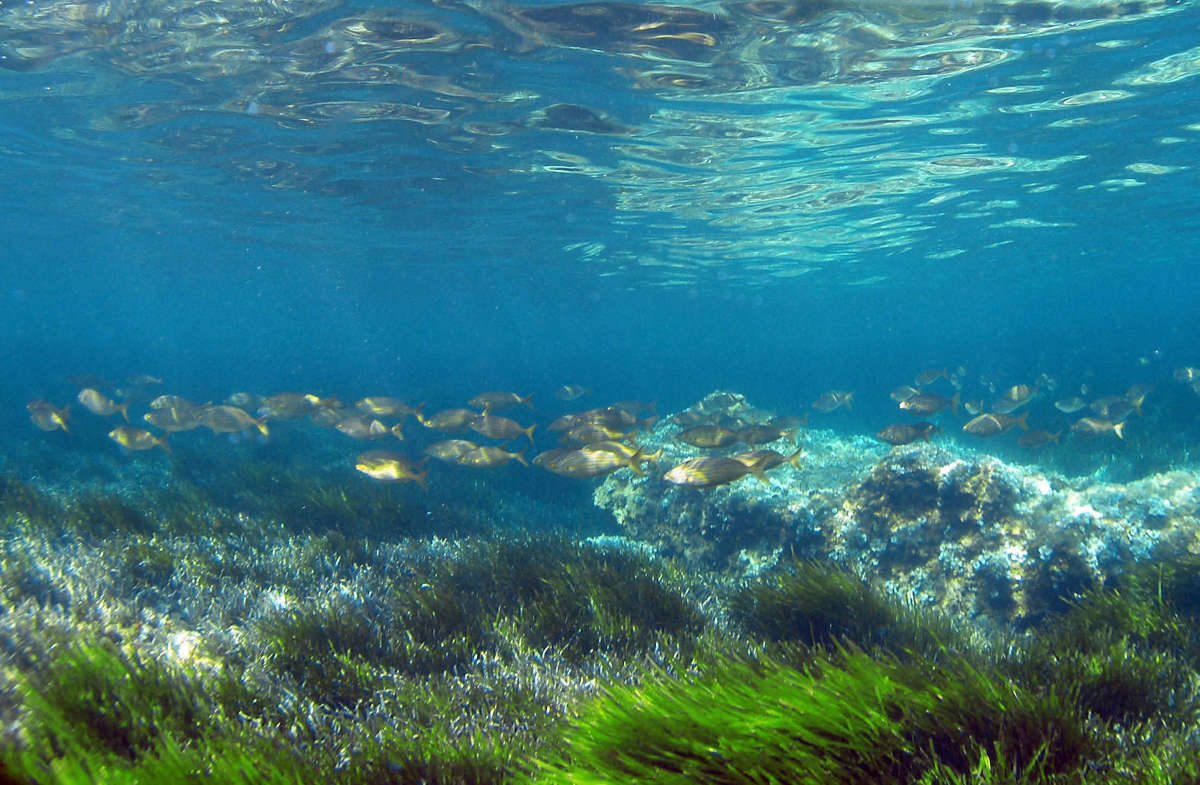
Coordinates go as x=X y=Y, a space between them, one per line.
x=940 y=525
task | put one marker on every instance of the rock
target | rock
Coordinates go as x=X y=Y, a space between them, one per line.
x=938 y=525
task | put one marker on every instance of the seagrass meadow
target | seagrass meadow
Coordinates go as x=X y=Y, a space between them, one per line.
x=158 y=637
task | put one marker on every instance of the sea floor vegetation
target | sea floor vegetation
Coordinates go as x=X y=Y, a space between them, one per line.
x=203 y=631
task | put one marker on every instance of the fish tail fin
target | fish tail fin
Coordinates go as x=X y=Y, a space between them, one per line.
x=1137 y=404
x=124 y=410
x=527 y=400
x=633 y=462
x=261 y=424
x=794 y=458
x=760 y=473
x=397 y=430
x=955 y=401
x=520 y=457
x=1021 y=421
x=161 y=441
x=849 y=399
x=419 y=479
x=529 y=432
x=1119 y=430
x=791 y=435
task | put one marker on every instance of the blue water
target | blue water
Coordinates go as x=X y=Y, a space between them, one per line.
x=363 y=199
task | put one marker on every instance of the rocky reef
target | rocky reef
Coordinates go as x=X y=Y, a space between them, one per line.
x=940 y=524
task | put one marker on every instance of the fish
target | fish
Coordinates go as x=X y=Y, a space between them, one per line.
x=1005 y=406
x=906 y=434
x=586 y=434
x=973 y=407
x=172 y=419
x=291 y=406
x=592 y=461
x=1019 y=394
x=47 y=416
x=903 y=393
x=137 y=439
x=495 y=427
x=330 y=416
x=391 y=467
x=929 y=376
x=98 y=403
x=450 y=450
x=173 y=402
x=245 y=400
x=993 y=423
x=449 y=420
x=486 y=457
x=384 y=406
x=687 y=418
x=231 y=419
x=720 y=402
x=358 y=427
x=711 y=471
x=788 y=422
x=142 y=380
x=732 y=422
x=1095 y=426
x=1138 y=393
x=1034 y=439
x=765 y=460
x=1014 y=398
x=709 y=436
x=763 y=434
x=627 y=450
x=1186 y=374
x=572 y=392
x=491 y=401
x=929 y=403
x=635 y=407
x=1114 y=408
x=1070 y=405
x=564 y=423
x=552 y=455
x=832 y=400
x=613 y=417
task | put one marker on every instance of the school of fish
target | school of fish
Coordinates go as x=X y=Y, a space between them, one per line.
x=597 y=441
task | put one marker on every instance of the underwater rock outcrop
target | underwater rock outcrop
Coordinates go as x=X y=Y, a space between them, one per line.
x=939 y=525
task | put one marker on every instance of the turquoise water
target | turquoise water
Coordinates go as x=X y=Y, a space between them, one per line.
x=653 y=201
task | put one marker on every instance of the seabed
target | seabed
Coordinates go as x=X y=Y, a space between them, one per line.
x=921 y=614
